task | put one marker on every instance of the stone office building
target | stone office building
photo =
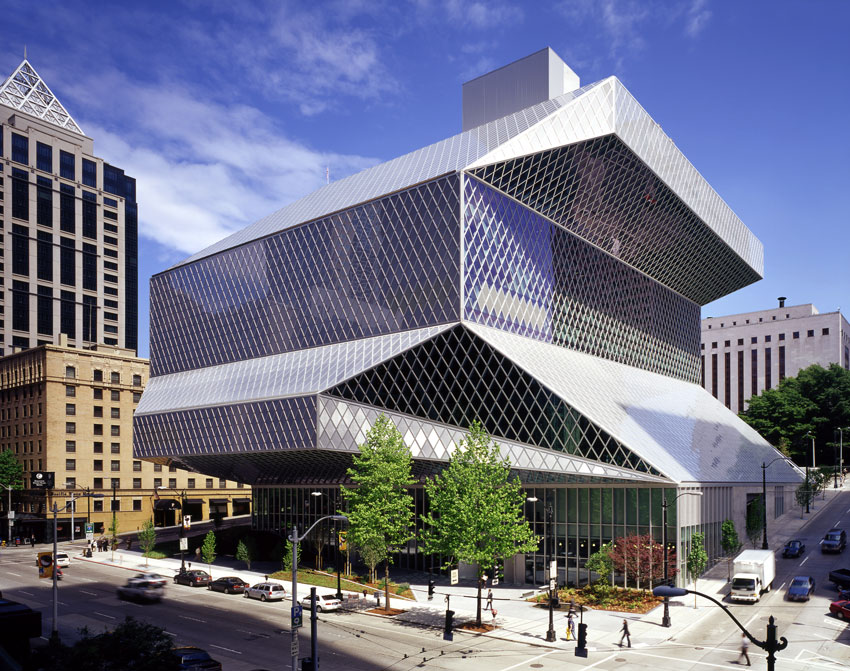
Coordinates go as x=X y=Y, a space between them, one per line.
x=541 y=272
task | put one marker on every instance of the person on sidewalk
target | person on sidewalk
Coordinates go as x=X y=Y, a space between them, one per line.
x=489 y=605
x=571 y=626
x=745 y=646
x=626 y=635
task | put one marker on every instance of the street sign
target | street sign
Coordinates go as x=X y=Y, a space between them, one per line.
x=43 y=480
x=89 y=527
x=553 y=568
x=11 y=515
x=184 y=544
x=187 y=521
x=495 y=581
x=551 y=584
x=454 y=576
x=297 y=616
x=45 y=564
x=294 y=644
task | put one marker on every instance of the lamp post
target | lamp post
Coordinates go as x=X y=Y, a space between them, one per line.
x=295 y=539
x=88 y=494
x=809 y=494
x=338 y=556
x=9 y=517
x=54 y=632
x=665 y=618
x=550 y=634
x=764 y=545
x=841 y=431
x=182 y=496
x=771 y=645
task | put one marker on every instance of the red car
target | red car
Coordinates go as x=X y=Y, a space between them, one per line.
x=841 y=609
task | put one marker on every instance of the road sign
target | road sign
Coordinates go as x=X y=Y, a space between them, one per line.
x=553 y=568
x=89 y=527
x=11 y=515
x=45 y=564
x=184 y=544
x=454 y=576
x=551 y=584
x=495 y=581
x=294 y=644
x=297 y=616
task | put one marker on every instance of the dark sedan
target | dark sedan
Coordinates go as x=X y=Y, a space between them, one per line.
x=801 y=588
x=793 y=548
x=229 y=585
x=190 y=658
x=193 y=578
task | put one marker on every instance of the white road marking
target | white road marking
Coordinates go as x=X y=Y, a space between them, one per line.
x=837 y=524
x=89 y=593
x=102 y=614
x=804 y=561
x=835 y=624
x=602 y=661
x=27 y=593
x=781 y=586
x=750 y=620
x=17 y=575
x=170 y=634
x=194 y=619
x=529 y=661
x=221 y=647
x=676 y=659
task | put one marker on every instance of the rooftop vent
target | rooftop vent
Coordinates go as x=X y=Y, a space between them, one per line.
x=782 y=300
x=523 y=83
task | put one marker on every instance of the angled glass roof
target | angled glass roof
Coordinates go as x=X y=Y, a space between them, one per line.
x=291 y=374
x=676 y=426
x=26 y=91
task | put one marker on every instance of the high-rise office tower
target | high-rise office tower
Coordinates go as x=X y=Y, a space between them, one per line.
x=69 y=250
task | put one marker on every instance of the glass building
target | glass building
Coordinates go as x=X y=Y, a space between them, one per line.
x=541 y=272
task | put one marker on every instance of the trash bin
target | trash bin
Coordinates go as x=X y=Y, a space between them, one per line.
x=307 y=664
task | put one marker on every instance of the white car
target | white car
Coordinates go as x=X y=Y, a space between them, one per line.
x=63 y=560
x=266 y=591
x=152 y=578
x=323 y=602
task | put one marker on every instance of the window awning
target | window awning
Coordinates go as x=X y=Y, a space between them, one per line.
x=167 y=504
x=244 y=500
x=218 y=502
x=194 y=502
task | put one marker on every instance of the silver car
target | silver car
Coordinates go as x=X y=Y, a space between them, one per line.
x=323 y=602
x=266 y=591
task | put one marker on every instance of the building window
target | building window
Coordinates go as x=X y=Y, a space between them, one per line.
x=70 y=446
x=726 y=343
x=754 y=373
x=98 y=411
x=768 y=383
x=222 y=483
x=172 y=468
x=115 y=377
x=825 y=331
x=209 y=483
x=115 y=465
x=98 y=483
x=137 y=466
x=20 y=194
x=70 y=464
x=116 y=504
x=714 y=345
x=782 y=336
x=89 y=173
x=190 y=483
x=70 y=483
x=70 y=391
x=137 y=483
x=20 y=149
x=70 y=427
x=137 y=380
x=98 y=376
x=727 y=378
x=740 y=342
x=66 y=165
x=157 y=483
x=754 y=340
x=740 y=381
x=795 y=335
x=70 y=409
x=702 y=346
x=114 y=430
x=137 y=503
x=810 y=333
x=767 y=338
x=70 y=372
x=98 y=394
x=98 y=429
x=97 y=504
x=67 y=209
x=137 y=396
x=115 y=395
x=239 y=485
x=115 y=413
x=781 y=363
x=98 y=465
x=157 y=468
x=44 y=257
x=115 y=448
x=98 y=447
x=172 y=482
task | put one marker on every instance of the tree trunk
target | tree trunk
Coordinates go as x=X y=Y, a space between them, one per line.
x=387 y=583
x=478 y=613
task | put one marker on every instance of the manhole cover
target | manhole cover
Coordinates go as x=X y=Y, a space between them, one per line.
x=621 y=659
x=536 y=666
x=698 y=648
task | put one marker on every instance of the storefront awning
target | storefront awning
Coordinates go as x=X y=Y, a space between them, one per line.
x=218 y=502
x=245 y=500
x=167 y=504
x=194 y=502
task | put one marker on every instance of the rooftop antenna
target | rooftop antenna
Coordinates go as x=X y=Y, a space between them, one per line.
x=327 y=174
x=25 y=52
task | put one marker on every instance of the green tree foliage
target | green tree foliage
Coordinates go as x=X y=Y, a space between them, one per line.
x=147 y=538
x=730 y=543
x=755 y=520
x=244 y=553
x=601 y=564
x=286 y=557
x=380 y=509
x=131 y=646
x=697 y=559
x=11 y=470
x=208 y=548
x=804 y=496
x=816 y=400
x=476 y=513
x=641 y=559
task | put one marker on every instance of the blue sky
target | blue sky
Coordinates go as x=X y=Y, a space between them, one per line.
x=226 y=111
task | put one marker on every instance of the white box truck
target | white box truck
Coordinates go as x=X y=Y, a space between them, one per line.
x=753 y=572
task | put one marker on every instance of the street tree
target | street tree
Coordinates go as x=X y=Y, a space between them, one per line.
x=601 y=564
x=755 y=520
x=641 y=558
x=113 y=531
x=147 y=538
x=730 y=543
x=11 y=470
x=476 y=509
x=817 y=400
x=379 y=506
x=208 y=549
x=244 y=553
x=697 y=559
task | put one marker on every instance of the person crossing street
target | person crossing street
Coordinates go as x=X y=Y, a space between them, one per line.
x=626 y=635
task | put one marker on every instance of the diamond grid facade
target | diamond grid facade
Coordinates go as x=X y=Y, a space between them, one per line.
x=24 y=90
x=541 y=274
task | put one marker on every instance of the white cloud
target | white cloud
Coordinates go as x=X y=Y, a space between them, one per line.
x=482 y=15
x=697 y=18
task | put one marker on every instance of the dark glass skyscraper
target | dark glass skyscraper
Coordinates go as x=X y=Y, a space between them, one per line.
x=541 y=272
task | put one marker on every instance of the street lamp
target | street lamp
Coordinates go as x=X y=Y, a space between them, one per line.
x=54 y=633
x=770 y=645
x=550 y=634
x=764 y=545
x=841 y=431
x=182 y=496
x=87 y=493
x=665 y=618
x=295 y=539
x=808 y=482
x=9 y=516
x=338 y=557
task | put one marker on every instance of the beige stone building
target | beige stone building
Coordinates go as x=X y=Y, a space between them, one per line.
x=69 y=412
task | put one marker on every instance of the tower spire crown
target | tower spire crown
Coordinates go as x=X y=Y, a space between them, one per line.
x=26 y=91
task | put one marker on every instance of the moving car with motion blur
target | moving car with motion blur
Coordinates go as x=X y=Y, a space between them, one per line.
x=141 y=591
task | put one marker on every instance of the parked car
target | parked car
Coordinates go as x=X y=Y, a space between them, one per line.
x=229 y=585
x=193 y=578
x=191 y=658
x=841 y=578
x=793 y=548
x=800 y=588
x=154 y=578
x=834 y=541
x=841 y=609
x=843 y=594
x=323 y=602
x=266 y=591
x=141 y=591
x=63 y=560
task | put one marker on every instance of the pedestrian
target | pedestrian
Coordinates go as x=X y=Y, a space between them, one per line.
x=32 y=540
x=489 y=605
x=571 y=626
x=745 y=646
x=625 y=635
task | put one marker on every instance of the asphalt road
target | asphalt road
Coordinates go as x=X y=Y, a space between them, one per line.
x=246 y=634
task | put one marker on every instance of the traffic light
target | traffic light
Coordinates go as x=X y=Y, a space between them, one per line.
x=581 y=644
x=430 y=589
x=447 y=631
